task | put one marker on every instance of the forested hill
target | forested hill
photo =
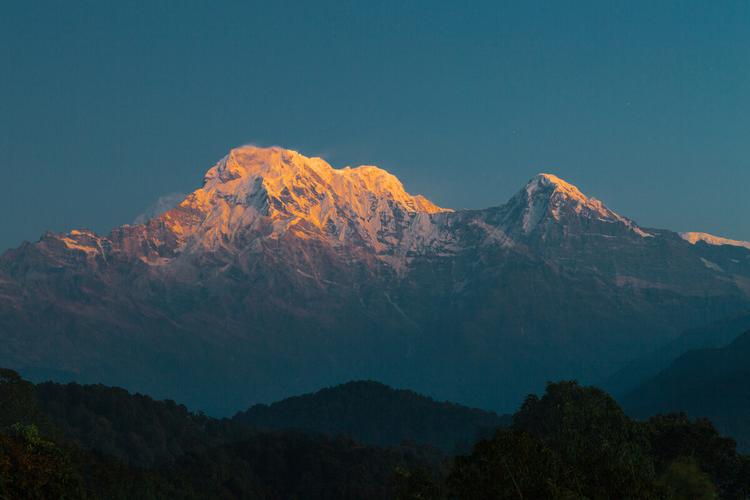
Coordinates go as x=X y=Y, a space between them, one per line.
x=82 y=442
x=134 y=428
x=72 y=441
x=374 y=413
x=139 y=430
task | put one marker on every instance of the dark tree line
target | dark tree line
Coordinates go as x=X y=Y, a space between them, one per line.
x=71 y=441
x=573 y=442
x=374 y=413
x=576 y=442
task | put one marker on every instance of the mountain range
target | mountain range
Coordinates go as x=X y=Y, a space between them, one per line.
x=282 y=274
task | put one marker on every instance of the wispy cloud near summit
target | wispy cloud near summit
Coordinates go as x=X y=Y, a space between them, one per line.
x=161 y=205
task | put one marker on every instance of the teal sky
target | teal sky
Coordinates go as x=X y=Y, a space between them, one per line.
x=105 y=106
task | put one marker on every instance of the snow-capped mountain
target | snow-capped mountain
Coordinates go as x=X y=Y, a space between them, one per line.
x=710 y=239
x=548 y=200
x=257 y=194
x=273 y=192
x=281 y=274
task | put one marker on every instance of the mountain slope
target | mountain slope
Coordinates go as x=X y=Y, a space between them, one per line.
x=548 y=200
x=282 y=274
x=374 y=413
x=703 y=382
x=711 y=336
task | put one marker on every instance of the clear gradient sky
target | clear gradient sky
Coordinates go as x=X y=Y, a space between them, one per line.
x=105 y=106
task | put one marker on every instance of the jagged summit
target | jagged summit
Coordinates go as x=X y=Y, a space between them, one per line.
x=547 y=198
x=274 y=191
x=285 y=172
x=545 y=182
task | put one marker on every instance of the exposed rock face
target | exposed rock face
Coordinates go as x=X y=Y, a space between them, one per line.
x=281 y=274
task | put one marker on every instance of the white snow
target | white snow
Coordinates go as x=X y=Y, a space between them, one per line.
x=253 y=188
x=256 y=193
x=548 y=195
x=85 y=241
x=695 y=237
x=711 y=265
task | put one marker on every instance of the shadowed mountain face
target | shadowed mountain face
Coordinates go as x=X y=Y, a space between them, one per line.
x=281 y=274
x=704 y=383
x=711 y=336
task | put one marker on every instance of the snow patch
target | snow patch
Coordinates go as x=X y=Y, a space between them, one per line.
x=710 y=239
x=712 y=265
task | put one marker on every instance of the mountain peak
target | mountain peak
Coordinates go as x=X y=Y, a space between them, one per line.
x=251 y=161
x=287 y=174
x=548 y=198
x=557 y=185
x=274 y=190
